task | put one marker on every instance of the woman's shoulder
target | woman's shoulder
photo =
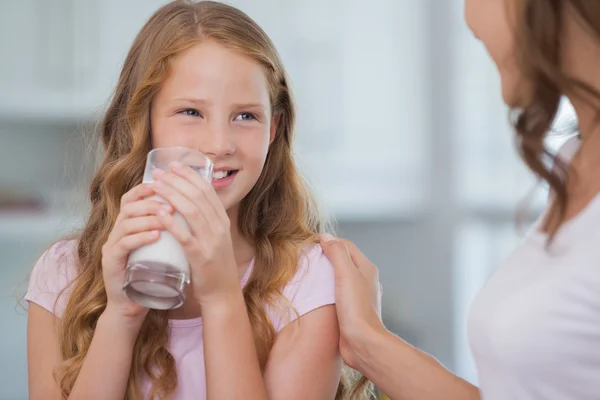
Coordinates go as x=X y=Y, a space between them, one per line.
x=52 y=275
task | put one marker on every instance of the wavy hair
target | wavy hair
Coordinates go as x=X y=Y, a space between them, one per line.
x=539 y=31
x=279 y=215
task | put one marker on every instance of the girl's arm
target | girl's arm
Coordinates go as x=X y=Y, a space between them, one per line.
x=231 y=363
x=106 y=367
x=230 y=359
x=304 y=362
x=43 y=353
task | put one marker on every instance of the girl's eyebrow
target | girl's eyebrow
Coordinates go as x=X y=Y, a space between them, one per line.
x=194 y=100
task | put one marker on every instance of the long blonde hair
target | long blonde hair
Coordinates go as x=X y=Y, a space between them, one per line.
x=279 y=215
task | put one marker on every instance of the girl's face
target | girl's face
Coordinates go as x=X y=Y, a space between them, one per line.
x=217 y=101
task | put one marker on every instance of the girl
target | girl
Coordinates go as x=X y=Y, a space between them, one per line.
x=535 y=327
x=202 y=76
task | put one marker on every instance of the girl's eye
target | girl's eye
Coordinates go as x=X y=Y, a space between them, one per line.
x=246 y=117
x=191 y=112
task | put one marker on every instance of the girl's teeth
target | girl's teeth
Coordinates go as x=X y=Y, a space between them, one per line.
x=220 y=174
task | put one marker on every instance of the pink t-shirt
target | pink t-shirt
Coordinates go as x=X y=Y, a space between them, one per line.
x=312 y=287
x=535 y=327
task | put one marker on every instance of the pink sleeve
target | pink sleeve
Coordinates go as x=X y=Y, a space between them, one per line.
x=52 y=273
x=312 y=287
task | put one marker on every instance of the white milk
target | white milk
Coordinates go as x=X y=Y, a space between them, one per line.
x=166 y=250
x=158 y=274
x=164 y=266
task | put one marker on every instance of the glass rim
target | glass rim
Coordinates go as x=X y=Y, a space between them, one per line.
x=207 y=166
x=155 y=149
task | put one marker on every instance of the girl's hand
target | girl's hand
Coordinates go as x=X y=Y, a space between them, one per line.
x=207 y=242
x=136 y=225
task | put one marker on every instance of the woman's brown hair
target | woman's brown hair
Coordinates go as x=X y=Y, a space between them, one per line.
x=539 y=46
x=279 y=215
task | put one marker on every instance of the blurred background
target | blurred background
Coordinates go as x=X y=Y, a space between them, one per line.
x=402 y=133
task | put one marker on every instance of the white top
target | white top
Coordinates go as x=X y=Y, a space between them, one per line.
x=534 y=329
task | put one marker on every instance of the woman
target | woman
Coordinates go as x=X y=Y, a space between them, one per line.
x=535 y=327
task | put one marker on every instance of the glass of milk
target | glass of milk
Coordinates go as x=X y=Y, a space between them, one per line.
x=158 y=274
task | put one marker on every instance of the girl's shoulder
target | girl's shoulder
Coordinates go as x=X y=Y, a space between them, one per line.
x=312 y=287
x=52 y=276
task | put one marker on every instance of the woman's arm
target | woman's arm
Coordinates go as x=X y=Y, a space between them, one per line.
x=398 y=369
x=404 y=372
x=105 y=370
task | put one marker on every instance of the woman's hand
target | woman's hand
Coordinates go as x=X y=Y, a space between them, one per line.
x=136 y=225
x=357 y=296
x=207 y=242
